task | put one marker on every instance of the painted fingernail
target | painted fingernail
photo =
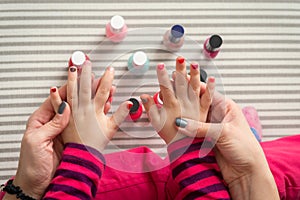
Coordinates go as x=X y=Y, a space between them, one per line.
x=129 y=106
x=53 y=89
x=181 y=122
x=211 y=79
x=195 y=65
x=144 y=100
x=161 y=66
x=72 y=69
x=109 y=99
x=181 y=60
x=61 y=107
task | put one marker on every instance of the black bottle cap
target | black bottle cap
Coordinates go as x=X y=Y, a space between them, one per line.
x=203 y=75
x=135 y=105
x=215 y=41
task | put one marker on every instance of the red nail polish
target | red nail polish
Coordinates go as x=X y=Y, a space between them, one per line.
x=212 y=46
x=77 y=59
x=211 y=79
x=161 y=66
x=53 y=90
x=110 y=100
x=158 y=100
x=181 y=60
x=195 y=65
x=136 y=110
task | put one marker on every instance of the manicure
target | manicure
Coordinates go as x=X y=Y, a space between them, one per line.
x=181 y=60
x=61 y=107
x=72 y=69
x=144 y=100
x=195 y=65
x=53 y=89
x=181 y=122
x=161 y=66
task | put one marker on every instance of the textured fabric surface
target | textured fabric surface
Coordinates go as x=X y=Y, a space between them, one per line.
x=259 y=63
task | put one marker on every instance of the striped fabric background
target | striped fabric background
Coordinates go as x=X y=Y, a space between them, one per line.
x=259 y=63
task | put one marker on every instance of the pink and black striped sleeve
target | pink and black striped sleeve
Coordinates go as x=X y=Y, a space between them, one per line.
x=78 y=174
x=197 y=178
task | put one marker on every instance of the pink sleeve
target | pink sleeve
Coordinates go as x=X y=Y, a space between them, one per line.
x=197 y=178
x=78 y=174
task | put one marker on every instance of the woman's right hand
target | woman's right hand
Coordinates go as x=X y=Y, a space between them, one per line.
x=239 y=155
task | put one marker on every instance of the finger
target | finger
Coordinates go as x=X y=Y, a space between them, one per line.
x=72 y=87
x=194 y=128
x=195 y=78
x=151 y=110
x=103 y=91
x=55 y=98
x=181 y=87
x=206 y=99
x=85 y=89
x=121 y=113
x=58 y=123
x=165 y=85
x=181 y=65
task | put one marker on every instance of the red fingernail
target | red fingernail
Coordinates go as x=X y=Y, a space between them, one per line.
x=53 y=90
x=195 y=65
x=129 y=106
x=181 y=60
x=109 y=99
x=161 y=66
x=211 y=79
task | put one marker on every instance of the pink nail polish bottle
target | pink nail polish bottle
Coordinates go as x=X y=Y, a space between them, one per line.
x=158 y=101
x=77 y=59
x=174 y=38
x=212 y=46
x=136 y=110
x=116 y=29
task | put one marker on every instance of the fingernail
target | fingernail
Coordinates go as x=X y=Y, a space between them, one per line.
x=195 y=65
x=53 y=89
x=211 y=79
x=61 y=107
x=161 y=66
x=111 y=69
x=109 y=99
x=181 y=60
x=72 y=69
x=181 y=122
x=129 y=106
x=144 y=100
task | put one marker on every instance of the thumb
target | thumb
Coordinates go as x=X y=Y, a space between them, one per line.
x=194 y=128
x=58 y=123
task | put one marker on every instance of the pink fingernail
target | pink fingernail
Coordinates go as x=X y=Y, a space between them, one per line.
x=161 y=66
x=211 y=79
x=195 y=65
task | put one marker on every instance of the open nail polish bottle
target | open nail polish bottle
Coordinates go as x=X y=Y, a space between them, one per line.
x=173 y=39
x=158 y=100
x=116 y=29
x=78 y=58
x=138 y=62
x=211 y=46
x=135 y=111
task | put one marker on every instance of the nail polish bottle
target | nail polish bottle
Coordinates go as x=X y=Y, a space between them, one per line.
x=135 y=111
x=116 y=29
x=78 y=58
x=158 y=100
x=138 y=62
x=174 y=38
x=212 y=46
x=203 y=75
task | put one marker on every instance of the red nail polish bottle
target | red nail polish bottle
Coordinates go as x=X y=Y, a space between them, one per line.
x=77 y=59
x=158 y=100
x=135 y=111
x=212 y=46
x=116 y=29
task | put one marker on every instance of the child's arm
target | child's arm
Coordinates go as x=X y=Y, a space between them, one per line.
x=78 y=174
x=196 y=177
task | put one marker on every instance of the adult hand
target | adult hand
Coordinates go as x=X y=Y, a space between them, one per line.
x=181 y=98
x=239 y=155
x=89 y=123
x=38 y=157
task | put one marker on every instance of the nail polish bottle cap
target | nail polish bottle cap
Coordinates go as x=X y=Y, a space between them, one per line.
x=203 y=75
x=139 y=58
x=177 y=31
x=117 y=22
x=215 y=41
x=135 y=105
x=78 y=58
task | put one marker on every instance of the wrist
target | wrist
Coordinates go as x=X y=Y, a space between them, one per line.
x=28 y=189
x=259 y=184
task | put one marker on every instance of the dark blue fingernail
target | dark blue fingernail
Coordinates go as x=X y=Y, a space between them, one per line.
x=61 y=107
x=181 y=122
